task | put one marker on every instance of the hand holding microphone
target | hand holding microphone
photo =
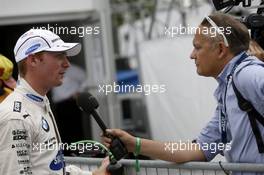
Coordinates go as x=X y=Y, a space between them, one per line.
x=89 y=104
x=126 y=138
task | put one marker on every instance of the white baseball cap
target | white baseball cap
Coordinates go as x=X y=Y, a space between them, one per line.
x=37 y=40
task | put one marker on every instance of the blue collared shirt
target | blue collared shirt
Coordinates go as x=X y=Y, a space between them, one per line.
x=249 y=80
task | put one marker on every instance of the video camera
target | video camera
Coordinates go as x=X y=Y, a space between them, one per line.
x=254 y=21
x=220 y=4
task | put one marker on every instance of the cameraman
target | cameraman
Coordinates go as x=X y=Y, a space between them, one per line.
x=224 y=58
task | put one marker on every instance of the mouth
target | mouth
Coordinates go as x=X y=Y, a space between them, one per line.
x=62 y=74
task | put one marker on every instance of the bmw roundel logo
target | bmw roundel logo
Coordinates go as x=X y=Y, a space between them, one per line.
x=45 y=124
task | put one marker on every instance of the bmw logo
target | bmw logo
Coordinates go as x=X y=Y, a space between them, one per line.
x=45 y=124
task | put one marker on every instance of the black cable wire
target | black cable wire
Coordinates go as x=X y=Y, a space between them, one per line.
x=220 y=163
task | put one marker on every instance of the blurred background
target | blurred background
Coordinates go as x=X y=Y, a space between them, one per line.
x=138 y=49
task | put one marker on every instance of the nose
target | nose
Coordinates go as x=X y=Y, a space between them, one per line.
x=193 y=54
x=66 y=62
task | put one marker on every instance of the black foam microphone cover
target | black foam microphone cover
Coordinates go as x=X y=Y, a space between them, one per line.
x=87 y=102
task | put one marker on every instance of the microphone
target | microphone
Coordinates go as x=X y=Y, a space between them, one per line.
x=89 y=104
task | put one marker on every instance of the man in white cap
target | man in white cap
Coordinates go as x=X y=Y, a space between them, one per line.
x=30 y=142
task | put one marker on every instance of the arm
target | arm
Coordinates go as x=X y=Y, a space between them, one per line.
x=168 y=150
x=158 y=150
x=74 y=170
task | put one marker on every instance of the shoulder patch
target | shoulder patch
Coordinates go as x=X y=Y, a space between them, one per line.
x=17 y=106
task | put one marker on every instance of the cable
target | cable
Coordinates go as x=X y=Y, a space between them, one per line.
x=220 y=163
x=111 y=156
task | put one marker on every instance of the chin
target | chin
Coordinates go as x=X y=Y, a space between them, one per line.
x=58 y=83
x=199 y=72
x=202 y=73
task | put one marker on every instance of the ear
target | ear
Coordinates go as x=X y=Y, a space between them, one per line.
x=223 y=50
x=34 y=60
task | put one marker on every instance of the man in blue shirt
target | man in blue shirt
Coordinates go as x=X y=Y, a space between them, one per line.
x=220 y=46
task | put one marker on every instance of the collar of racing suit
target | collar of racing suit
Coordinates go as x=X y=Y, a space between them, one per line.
x=32 y=95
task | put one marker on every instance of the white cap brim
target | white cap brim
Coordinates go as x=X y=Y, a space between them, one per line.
x=71 y=49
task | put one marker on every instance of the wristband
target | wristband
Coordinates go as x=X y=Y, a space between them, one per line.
x=136 y=153
x=138 y=146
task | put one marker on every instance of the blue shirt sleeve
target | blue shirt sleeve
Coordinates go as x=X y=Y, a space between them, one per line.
x=210 y=137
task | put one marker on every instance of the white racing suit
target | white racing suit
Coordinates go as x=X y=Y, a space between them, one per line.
x=29 y=138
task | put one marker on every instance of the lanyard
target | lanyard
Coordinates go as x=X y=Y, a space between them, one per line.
x=223 y=114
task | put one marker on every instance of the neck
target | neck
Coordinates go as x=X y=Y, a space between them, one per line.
x=223 y=63
x=36 y=84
